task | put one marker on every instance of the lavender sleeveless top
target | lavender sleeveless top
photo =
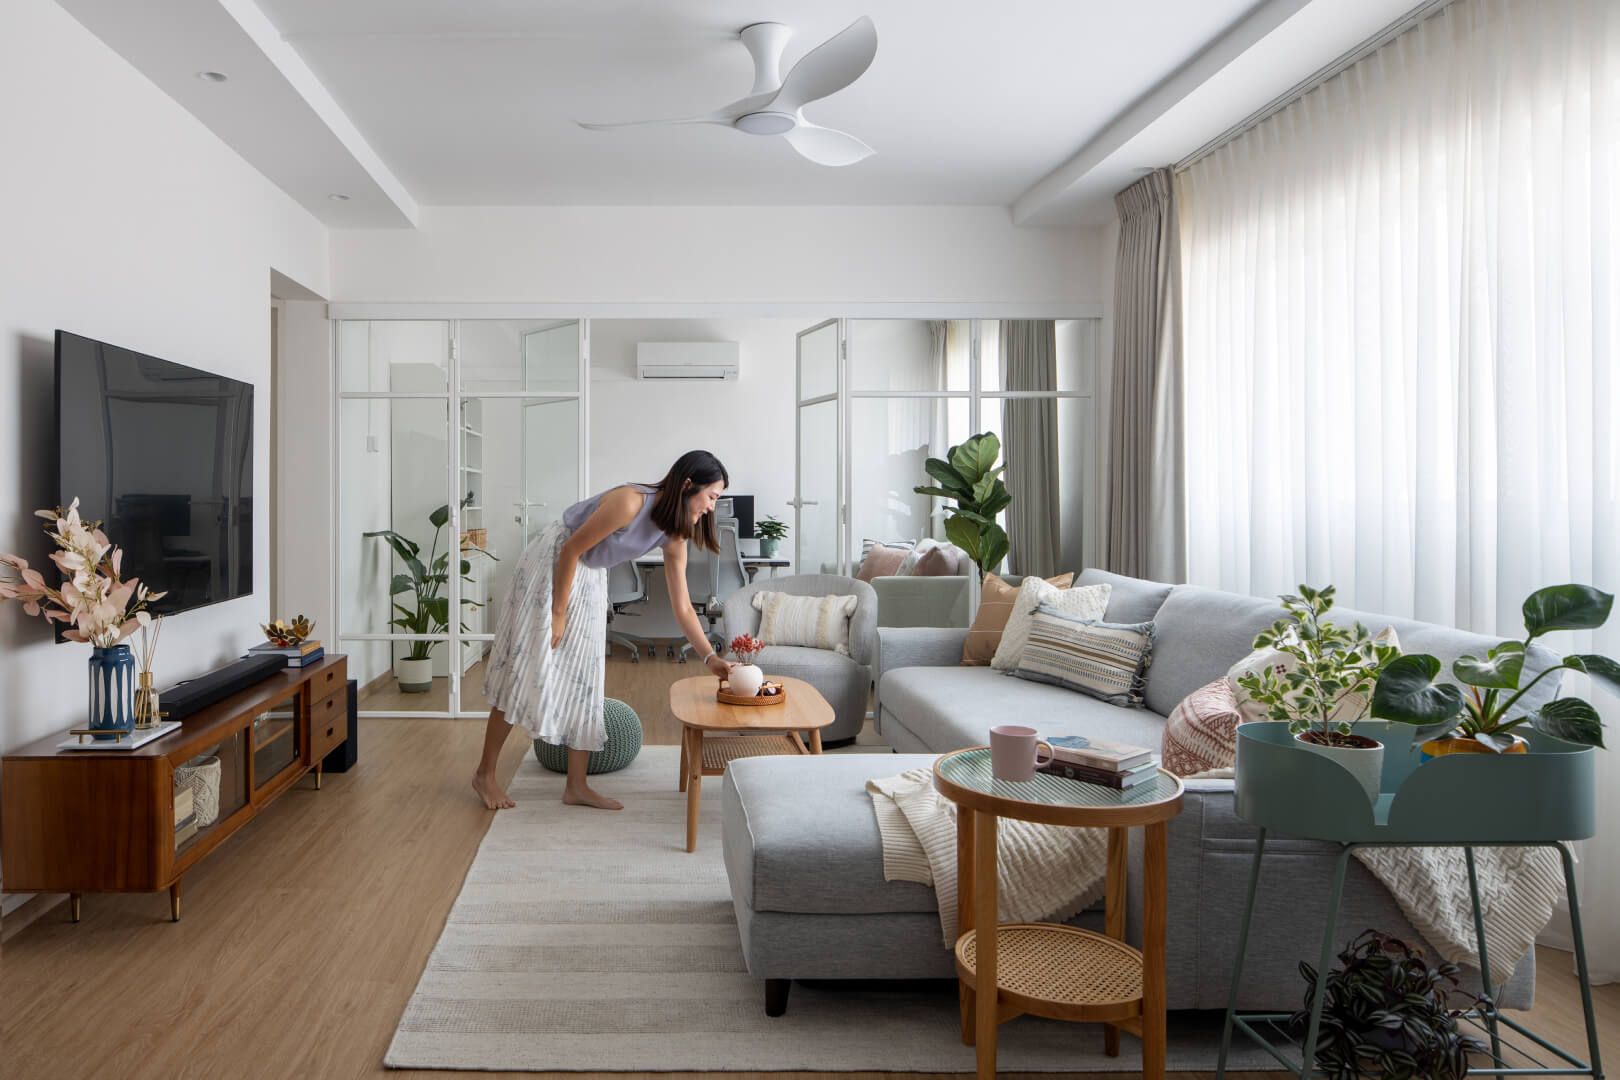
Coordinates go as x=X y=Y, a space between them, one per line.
x=631 y=542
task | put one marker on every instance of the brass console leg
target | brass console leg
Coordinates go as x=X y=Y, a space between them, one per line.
x=318 y=766
x=75 y=906
x=174 y=902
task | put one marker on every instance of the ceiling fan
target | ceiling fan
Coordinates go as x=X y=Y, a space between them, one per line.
x=775 y=106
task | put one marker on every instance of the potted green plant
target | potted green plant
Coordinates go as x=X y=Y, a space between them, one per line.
x=426 y=582
x=969 y=476
x=771 y=533
x=1386 y=1013
x=1483 y=720
x=1320 y=684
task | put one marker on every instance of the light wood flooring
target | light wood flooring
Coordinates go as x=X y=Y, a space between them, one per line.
x=304 y=936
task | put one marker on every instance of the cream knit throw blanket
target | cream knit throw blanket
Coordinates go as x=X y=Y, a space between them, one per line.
x=1051 y=872
x=1045 y=872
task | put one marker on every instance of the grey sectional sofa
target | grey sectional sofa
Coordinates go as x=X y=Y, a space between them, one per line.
x=805 y=861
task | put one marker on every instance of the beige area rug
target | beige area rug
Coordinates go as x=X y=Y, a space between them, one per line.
x=590 y=941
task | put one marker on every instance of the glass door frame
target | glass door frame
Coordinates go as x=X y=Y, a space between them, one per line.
x=453 y=396
x=840 y=458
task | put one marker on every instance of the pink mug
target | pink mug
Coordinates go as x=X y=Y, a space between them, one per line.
x=1015 y=752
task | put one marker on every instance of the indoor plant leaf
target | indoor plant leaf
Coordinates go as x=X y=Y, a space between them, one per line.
x=920 y=489
x=1501 y=669
x=440 y=516
x=947 y=476
x=964 y=534
x=1566 y=607
x=1601 y=668
x=976 y=456
x=1571 y=719
x=1407 y=693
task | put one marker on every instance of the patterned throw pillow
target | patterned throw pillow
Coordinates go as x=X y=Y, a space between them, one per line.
x=819 y=622
x=995 y=608
x=1201 y=733
x=1108 y=661
x=1082 y=602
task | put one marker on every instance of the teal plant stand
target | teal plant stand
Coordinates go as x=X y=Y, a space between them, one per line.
x=623 y=743
x=1545 y=798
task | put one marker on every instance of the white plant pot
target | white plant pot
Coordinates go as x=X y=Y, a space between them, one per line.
x=746 y=679
x=415 y=676
x=1365 y=763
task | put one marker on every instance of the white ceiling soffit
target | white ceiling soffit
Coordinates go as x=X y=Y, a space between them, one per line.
x=1278 y=44
x=271 y=109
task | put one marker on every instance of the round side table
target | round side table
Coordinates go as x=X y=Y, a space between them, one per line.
x=1047 y=969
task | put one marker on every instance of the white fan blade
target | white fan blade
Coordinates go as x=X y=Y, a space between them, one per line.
x=723 y=116
x=827 y=146
x=829 y=67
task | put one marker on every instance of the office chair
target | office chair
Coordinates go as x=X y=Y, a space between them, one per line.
x=626 y=587
x=710 y=577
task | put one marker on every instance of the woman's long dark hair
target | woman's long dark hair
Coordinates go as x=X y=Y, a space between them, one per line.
x=692 y=470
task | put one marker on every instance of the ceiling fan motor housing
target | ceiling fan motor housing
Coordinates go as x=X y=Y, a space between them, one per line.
x=767 y=122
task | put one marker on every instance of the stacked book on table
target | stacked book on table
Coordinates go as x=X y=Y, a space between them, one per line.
x=303 y=654
x=185 y=816
x=1097 y=761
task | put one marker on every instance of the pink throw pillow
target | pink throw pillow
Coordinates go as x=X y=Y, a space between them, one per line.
x=1201 y=733
x=881 y=561
x=935 y=562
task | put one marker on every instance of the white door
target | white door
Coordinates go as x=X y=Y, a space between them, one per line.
x=818 y=491
x=551 y=461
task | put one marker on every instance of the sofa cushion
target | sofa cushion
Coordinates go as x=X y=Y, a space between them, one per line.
x=1201 y=734
x=1130 y=600
x=1103 y=660
x=800 y=836
x=881 y=560
x=996 y=599
x=1082 y=603
x=1198 y=634
x=953 y=707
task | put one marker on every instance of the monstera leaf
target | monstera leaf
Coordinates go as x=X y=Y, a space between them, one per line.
x=1407 y=693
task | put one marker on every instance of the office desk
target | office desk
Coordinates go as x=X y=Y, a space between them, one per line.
x=752 y=564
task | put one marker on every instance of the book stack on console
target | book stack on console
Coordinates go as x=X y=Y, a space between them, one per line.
x=303 y=654
x=185 y=816
x=1096 y=761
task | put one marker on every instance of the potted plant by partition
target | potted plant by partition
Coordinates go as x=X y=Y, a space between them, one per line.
x=771 y=533
x=1483 y=720
x=969 y=476
x=426 y=582
x=1321 y=686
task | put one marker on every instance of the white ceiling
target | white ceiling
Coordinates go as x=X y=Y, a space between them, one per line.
x=455 y=102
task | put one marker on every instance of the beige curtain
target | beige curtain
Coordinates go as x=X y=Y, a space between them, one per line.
x=1146 y=489
x=1029 y=426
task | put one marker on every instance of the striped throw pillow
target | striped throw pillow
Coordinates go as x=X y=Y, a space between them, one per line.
x=1108 y=661
x=819 y=622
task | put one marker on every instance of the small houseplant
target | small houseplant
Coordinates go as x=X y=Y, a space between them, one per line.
x=969 y=476
x=1483 y=720
x=1388 y=1014
x=771 y=533
x=1322 y=688
x=426 y=582
x=746 y=678
x=94 y=601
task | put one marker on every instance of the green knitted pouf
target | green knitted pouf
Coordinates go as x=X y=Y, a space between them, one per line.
x=623 y=742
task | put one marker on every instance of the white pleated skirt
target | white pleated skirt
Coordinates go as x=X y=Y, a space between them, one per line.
x=553 y=694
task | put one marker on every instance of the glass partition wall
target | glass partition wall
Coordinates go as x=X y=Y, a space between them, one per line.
x=458 y=440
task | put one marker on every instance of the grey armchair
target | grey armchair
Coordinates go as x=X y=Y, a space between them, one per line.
x=845 y=681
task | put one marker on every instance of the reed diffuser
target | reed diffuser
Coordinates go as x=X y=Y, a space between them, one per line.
x=147 y=713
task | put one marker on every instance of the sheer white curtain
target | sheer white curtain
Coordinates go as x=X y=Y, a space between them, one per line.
x=1402 y=321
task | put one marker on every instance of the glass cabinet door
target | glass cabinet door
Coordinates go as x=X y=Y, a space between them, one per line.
x=277 y=743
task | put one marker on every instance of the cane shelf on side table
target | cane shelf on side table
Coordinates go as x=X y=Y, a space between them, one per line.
x=1046 y=969
x=89 y=821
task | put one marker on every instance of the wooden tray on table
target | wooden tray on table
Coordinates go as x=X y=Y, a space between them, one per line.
x=726 y=697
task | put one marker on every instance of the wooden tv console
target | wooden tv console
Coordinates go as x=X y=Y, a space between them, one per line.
x=85 y=821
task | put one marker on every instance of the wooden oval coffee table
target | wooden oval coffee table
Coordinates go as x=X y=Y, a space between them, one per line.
x=748 y=730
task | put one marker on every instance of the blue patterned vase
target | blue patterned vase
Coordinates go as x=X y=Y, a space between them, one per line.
x=112 y=689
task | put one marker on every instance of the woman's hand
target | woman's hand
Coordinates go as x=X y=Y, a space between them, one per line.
x=559 y=624
x=719 y=668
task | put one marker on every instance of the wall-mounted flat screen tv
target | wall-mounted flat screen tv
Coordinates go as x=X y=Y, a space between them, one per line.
x=162 y=455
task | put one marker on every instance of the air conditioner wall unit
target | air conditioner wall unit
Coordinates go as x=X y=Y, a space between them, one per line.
x=687 y=359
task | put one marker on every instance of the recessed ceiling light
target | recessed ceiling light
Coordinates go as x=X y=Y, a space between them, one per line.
x=212 y=76
x=338 y=196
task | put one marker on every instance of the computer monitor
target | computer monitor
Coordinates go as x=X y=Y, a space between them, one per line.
x=738 y=508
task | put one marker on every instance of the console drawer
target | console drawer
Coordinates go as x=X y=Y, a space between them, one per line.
x=328 y=724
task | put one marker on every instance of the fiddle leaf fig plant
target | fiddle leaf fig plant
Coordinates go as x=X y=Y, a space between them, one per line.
x=1491 y=707
x=969 y=476
x=426 y=582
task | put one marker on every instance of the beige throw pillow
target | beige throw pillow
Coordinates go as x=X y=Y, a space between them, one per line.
x=818 y=622
x=995 y=608
x=1087 y=602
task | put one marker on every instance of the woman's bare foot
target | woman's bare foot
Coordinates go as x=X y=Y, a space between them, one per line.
x=494 y=796
x=584 y=796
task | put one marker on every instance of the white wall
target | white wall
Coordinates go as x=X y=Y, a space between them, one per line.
x=128 y=221
x=711 y=254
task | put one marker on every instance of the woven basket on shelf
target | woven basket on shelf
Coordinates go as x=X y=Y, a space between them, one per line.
x=201 y=775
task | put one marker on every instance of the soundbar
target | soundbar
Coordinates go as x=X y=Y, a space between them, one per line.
x=183 y=699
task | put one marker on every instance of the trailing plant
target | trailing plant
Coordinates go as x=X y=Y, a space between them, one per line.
x=427 y=582
x=1407 y=693
x=771 y=529
x=1388 y=1014
x=969 y=476
x=1333 y=674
